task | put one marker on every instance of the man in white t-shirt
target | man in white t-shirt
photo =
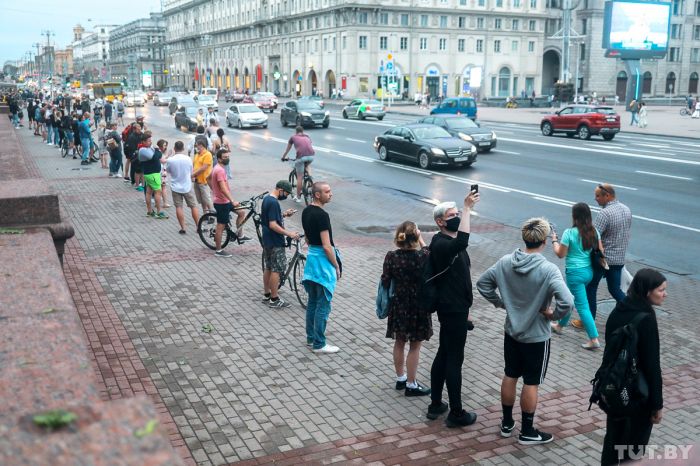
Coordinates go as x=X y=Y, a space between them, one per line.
x=179 y=168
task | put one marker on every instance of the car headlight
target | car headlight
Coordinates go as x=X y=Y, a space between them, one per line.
x=493 y=135
x=305 y=114
x=437 y=151
x=465 y=137
x=473 y=150
x=328 y=113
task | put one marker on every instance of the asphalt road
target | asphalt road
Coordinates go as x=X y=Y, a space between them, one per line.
x=527 y=175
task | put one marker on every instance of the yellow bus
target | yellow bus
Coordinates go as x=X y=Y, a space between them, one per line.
x=107 y=91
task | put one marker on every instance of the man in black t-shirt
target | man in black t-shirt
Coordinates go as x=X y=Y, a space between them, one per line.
x=273 y=233
x=322 y=270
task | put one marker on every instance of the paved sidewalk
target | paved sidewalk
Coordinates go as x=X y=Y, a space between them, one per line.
x=251 y=390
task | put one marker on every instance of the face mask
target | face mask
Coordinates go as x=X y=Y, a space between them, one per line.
x=452 y=224
x=225 y=162
x=282 y=197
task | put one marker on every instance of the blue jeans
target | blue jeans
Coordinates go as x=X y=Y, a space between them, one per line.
x=49 y=134
x=576 y=280
x=85 y=143
x=56 y=136
x=613 y=279
x=15 y=119
x=317 y=311
x=115 y=162
x=634 y=118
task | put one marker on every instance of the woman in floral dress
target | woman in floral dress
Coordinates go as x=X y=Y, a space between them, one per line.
x=407 y=322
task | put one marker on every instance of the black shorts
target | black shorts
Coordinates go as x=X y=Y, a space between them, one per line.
x=526 y=360
x=223 y=213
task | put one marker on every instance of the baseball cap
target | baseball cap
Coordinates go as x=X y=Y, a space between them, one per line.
x=284 y=185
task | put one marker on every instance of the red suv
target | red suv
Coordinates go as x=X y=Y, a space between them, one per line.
x=582 y=120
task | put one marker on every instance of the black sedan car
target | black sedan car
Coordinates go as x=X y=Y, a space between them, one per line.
x=426 y=144
x=464 y=128
x=304 y=113
x=187 y=117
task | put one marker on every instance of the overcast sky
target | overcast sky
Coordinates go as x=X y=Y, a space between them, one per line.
x=21 y=22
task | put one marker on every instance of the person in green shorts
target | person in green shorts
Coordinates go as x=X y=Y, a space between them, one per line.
x=151 y=177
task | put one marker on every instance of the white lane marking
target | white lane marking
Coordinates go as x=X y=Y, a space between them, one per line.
x=487 y=186
x=323 y=149
x=603 y=151
x=481 y=183
x=355 y=140
x=664 y=175
x=337 y=127
x=664 y=146
x=501 y=151
x=614 y=184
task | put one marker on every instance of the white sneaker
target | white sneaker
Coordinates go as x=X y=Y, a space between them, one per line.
x=327 y=349
x=297 y=199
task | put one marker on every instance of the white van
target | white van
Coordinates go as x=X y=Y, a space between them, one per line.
x=212 y=91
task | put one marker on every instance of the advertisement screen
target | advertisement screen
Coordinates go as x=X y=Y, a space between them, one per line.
x=639 y=28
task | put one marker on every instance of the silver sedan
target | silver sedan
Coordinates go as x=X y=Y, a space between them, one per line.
x=245 y=116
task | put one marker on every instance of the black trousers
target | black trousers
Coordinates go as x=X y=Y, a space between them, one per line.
x=627 y=434
x=447 y=366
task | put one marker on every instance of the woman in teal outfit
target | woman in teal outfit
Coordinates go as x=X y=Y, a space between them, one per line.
x=576 y=245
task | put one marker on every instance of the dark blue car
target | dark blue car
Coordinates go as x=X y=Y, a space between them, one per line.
x=457 y=106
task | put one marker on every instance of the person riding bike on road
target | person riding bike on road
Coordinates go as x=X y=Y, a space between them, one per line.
x=304 y=157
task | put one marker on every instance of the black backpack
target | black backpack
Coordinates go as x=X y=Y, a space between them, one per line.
x=619 y=387
x=428 y=294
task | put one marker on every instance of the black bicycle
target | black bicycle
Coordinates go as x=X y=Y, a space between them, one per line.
x=206 y=228
x=307 y=184
x=65 y=147
x=295 y=271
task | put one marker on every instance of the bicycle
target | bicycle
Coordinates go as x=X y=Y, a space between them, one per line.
x=685 y=111
x=295 y=272
x=206 y=227
x=65 y=147
x=307 y=184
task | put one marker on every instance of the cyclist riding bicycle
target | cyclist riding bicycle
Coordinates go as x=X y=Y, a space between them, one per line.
x=304 y=157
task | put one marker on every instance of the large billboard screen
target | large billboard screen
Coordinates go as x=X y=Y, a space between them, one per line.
x=636 y=29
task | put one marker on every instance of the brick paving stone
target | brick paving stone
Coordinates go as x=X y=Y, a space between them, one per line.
x=252 y=390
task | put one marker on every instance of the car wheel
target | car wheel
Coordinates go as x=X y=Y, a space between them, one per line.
x=584 y=132
x=380 y=118
x=283 y=121
x=325 y=125
x=424 y=160
x=361 y=116
x=345 y=114
x=486 y=150
x=240 y=125
x=298 y=121
x=608 y=137
x=547 y=128
x=265 y=126
x=465 y=165
x=383 y=154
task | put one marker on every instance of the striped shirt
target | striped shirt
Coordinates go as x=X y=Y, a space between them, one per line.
x=614 y=222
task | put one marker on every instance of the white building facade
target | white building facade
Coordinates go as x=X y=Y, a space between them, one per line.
x=449 y=47
x=91 y=52
x=143 y=41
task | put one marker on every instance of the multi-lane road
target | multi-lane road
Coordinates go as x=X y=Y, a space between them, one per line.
x=527 y=175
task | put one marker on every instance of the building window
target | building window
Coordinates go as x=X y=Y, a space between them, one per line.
x=497 y=23
x=516 y=4
x=532 y=26
x=584 y=26
x=515 y=25
x=675 y=31
x=480 y=23
x=677 y=7
x=362 y=44
x=479 y=45
x=497 y=46
x=531 y=46
x=671 y=83
x=499 y=3
x=325 y=45
x=482 y=2
x=533 y=4
x=646 y=83
x=674 y=54
x=461 y=21
x=362 y=18
x=404 y=43
x=442 y=44
x=695 y=55
x=514 y=46
x=696 y=33
x=693 y=83
x=443 y=21
x=697 y=8
x=462 y=2
x=383 y=42
x=423 y=43
x=424 y=21
x=345 y=42
x=460 y=45
x=384 y=18
x=404 y=20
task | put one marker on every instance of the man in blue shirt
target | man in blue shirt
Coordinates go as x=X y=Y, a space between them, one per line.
x=85 y=137
x=273 y=233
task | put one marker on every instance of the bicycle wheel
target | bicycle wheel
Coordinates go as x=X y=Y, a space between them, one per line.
x=206 y=228
x=293 y=178
x=307 y=190
x=258 y=230
x=295 y=281
x=64 y=150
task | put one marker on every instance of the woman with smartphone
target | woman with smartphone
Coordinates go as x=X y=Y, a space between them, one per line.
x=576 y=246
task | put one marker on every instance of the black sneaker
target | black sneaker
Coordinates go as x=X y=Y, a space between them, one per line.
x=84 y=162
x=420 y=390
x=535 y=438
x=507 y=430
x=278 y=303
x=244 y=239
x=434 y=411
x=460 y=419
x=401 y=385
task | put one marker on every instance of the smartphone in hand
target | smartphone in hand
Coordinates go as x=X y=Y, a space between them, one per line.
x=474 y=188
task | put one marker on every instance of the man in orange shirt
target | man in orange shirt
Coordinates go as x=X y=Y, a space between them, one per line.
x=203 y=163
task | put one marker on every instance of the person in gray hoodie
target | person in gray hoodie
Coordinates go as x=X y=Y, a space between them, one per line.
x=526 y=283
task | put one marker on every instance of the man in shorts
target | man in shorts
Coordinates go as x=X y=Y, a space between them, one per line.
x=179 y=167
x=224 y=202
x=152 y=178
x=526 y=283
x=203 y=163
x=273 y=239
x=304 y=157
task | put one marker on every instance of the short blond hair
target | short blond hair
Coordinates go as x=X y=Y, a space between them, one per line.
x=535 y=231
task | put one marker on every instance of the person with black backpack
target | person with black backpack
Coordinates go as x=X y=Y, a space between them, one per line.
x=628 y=386
x=454 y=297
